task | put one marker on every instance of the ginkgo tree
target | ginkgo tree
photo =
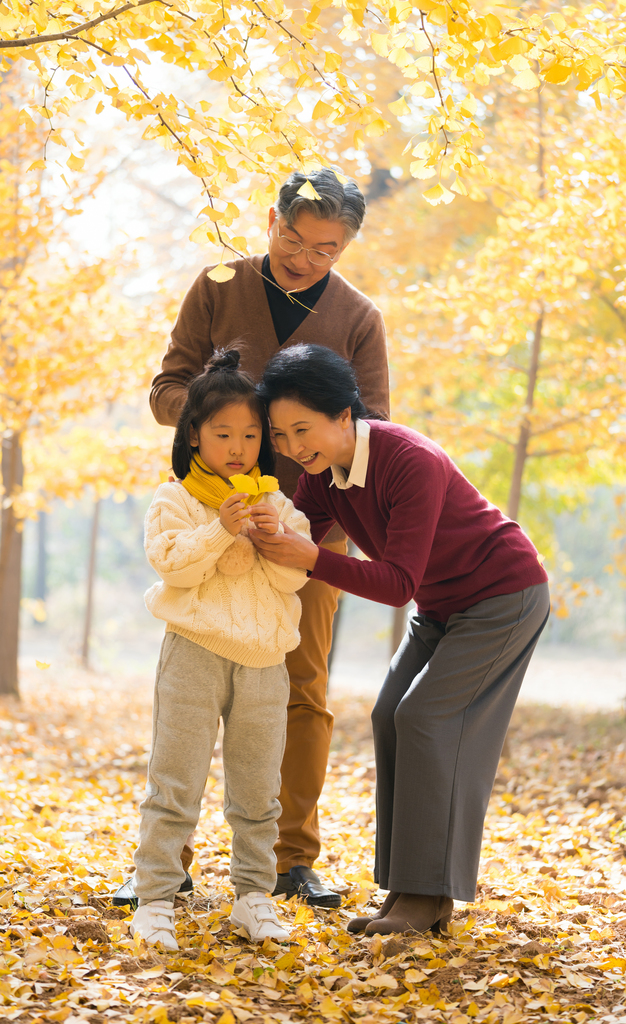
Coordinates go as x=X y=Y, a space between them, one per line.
x=274 y=76
x=69 y=345
x=513 y=354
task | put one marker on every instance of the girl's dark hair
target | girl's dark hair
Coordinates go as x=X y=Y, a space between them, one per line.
x=220 y=383
x=315 y=376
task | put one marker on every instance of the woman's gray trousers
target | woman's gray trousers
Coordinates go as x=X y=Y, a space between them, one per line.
x=439 y=726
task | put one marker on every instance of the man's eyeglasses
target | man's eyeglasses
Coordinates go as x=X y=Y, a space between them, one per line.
x=314 y=256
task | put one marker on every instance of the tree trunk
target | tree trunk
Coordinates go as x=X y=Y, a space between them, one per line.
x=521 y=448
x=91 y=576
x=41 y=577
x=10 y=563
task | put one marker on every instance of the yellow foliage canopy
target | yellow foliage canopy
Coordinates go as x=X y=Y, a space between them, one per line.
x=70 y=345
x=507 y=319
x=263 y=56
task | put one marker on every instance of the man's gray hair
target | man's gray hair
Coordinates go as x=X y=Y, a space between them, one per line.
x=345 y=203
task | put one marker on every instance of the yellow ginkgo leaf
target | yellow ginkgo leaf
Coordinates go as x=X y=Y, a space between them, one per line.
x=75 y=163
x=558 y=73
x=290 y=69
x=376 y=128
x=340 y=177
x=526 y=80
x=438 y=194
x=221 y=273
x=304 y=915
x=322 y=109
x=400 y=107
x=227 y=1018
x=244 y=483
x=308 y=191
x=255 y=489
x=420 y=169
x=267 y=484
x=285 y=962
x=42 y=664
x=213 y=214
x=459 y=188
x=202 y=234
x=380 y=43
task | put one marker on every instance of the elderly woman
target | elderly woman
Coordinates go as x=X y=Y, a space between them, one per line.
x=482 y=602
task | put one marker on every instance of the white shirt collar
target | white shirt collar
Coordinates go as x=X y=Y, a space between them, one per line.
x=358 y=470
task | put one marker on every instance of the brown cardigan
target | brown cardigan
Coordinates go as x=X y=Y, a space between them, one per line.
x=217 y=315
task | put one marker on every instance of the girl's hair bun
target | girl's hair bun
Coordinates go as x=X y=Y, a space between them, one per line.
x=223 y=359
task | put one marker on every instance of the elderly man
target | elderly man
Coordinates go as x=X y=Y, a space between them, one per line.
x=293 y=294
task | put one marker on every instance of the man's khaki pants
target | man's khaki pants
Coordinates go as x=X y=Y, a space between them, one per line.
x=309 y=726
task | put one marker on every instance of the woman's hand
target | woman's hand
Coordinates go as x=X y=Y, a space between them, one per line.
x=232 y=512
x=288 y=548
x=265 y=517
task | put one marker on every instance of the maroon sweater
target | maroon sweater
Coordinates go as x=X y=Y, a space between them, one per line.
x=429 y=533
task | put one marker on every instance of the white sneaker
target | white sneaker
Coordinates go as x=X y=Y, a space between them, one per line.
x=154 y=922
x=255 y=912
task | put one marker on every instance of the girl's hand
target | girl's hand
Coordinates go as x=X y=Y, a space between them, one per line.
x=288 y=548
x=265 y=517
x=233 y=512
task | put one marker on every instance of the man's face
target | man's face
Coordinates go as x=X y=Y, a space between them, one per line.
x=296 y=272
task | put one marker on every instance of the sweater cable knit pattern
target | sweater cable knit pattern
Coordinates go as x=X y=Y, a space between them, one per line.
x=216 y=589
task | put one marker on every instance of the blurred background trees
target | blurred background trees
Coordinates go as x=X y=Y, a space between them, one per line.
x=70 y=347
x=508 y=317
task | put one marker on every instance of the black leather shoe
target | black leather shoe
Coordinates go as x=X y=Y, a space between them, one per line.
x=285 y=886
x=302 y=881
x=126 y=897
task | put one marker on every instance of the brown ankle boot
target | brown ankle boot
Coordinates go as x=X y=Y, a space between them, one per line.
x=358 y=924
x=412 y=912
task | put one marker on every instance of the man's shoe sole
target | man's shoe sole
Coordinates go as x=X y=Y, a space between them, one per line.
x=332 y=902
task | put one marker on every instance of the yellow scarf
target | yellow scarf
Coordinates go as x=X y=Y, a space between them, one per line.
x=209 y=488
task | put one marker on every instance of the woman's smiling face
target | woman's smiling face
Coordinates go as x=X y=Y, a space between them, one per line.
x=310 y=438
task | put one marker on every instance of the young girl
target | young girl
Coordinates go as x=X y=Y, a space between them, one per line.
x=231 y=616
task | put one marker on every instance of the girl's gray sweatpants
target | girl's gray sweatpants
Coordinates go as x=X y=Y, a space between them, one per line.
x=439 y=725
x=194 y=688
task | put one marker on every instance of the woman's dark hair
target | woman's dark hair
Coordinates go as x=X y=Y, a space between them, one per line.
x=220 y=383
x=315 y=376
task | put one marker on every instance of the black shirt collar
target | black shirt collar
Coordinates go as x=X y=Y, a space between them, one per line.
x=309 y=297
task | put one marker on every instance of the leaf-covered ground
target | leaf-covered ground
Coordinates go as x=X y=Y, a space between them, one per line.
x=544 y=941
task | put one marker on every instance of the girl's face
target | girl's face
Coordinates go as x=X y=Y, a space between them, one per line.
x=311 y=438
x=230 y=442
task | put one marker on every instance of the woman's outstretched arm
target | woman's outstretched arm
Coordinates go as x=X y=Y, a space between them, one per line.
x=415 y=488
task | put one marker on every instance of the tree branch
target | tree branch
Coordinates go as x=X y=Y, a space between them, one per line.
x=618 y=313
x=434 y=74
x=552 y=451
x=498 y=437
x=559 y=424
x=56 y=36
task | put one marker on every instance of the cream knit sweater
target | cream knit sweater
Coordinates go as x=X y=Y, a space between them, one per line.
x=217 y=590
